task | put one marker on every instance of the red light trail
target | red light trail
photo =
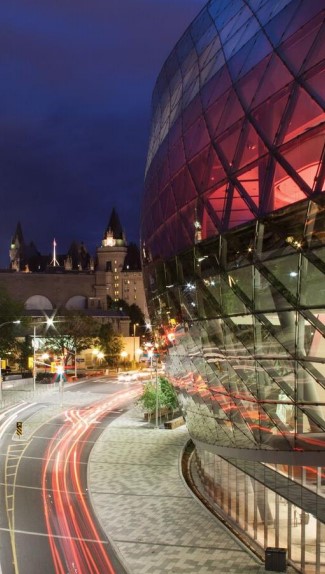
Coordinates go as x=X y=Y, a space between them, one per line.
x=75 y=544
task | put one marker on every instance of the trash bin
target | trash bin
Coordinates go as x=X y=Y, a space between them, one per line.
x=275 y=559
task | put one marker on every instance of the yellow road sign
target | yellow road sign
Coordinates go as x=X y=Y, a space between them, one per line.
x=19 y=428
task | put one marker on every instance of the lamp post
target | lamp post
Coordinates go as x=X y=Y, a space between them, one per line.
x=151 y=354
x=2 y=325
x=49 y=322
x=135 y=325
x=139 y=352
x=123 y=356
x=60 y=371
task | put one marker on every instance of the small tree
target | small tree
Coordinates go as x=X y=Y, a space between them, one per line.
x=24 y=349
x=169 y=396
x=76 y=332
x=10 y=311
x=147 y=401
x=110 y=342
x=166 y=396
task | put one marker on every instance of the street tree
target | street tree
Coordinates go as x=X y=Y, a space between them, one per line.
x=72 y=333
x=133 y=311
x=110 y=343
x=10 y=311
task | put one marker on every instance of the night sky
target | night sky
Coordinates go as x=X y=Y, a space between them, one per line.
x=76 y=84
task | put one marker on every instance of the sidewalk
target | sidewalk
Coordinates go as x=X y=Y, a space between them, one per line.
x=147 y=511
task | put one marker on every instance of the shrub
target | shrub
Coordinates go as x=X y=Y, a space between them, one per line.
x=169 y=397
x=166 y=396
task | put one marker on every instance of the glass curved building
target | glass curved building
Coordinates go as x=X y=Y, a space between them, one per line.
x=233 y=244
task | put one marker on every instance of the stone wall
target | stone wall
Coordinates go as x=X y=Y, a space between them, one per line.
x=57 y=287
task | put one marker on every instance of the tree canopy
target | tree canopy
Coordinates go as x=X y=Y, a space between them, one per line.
x=10 y=311
x=110 y=343
x=133 y=311
x=72 y=333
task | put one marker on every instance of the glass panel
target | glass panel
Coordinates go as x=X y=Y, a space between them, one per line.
x=306 y=115
x=231 y=304
x=204 y=41
x=216 y=200
x=167 y=203
x=213 y=172
x=176 y=157
x=283 y=327
x=320 y=253
x=240 y=212
x=244 y=331
x=214 y=113
x=196 y=138
x=215 y=67
x=251 y=148
x=321 y=546
x=285 y=270
x=260 y=47
x=312 y=285
x=191 y=114
x=190 y=93
x=263 y=294
x=184 y=189
x=239 y=246
x=285 y=230
x=304 y=158
x=228 y=142
x=210 y=223
x=284 y=376
x=269 y=117
x=295 y=534
x=241 y=279
x=276 y=76
x=232 y=112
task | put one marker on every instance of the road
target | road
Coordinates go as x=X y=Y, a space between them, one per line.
x=47 y=524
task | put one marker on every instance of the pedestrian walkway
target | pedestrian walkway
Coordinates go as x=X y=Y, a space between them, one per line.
x=149 y=514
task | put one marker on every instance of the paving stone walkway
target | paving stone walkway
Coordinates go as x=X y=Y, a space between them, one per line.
x=155 y=523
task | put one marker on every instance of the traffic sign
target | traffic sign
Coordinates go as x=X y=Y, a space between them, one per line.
x=19 y=428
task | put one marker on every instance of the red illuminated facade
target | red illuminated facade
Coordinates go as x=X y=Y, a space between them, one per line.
x=233 y=246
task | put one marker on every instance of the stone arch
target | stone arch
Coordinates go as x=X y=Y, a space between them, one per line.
x=76 y=302
x=38 y=302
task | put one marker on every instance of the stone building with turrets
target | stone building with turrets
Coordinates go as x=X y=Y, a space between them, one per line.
x=77 y=280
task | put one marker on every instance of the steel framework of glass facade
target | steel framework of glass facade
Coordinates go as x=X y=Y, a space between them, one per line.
x=233 y=243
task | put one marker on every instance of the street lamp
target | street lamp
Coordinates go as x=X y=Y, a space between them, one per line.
x=139 y=352
x=2 y=325
x=49 y=322
x=60 y=372
x=99 y=355
x=124 y=354
x=151 y=353
x=135 y=325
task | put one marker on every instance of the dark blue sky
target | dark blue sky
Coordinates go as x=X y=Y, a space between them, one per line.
x=76 y=84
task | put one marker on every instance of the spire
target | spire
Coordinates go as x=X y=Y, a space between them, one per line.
x=54 y=262
x=18 y=238
x=114 y=226
x=114 y=234
x=17 y=249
